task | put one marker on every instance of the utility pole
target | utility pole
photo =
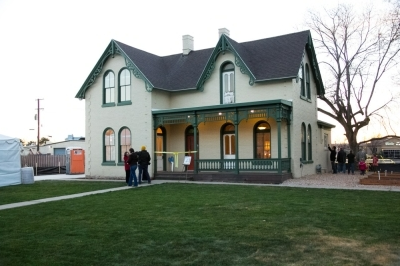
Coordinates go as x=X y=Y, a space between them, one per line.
x=38 y=123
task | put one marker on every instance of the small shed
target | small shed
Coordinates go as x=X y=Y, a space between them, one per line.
x=10 y=161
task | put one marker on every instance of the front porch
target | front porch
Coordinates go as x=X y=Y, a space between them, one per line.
x=243 y=142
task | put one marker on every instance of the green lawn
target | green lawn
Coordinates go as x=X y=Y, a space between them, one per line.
x=192 y=224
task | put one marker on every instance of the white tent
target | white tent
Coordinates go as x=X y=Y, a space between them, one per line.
x=10 y=161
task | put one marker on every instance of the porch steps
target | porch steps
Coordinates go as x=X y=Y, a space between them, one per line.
x=391 y=179
x=257 y=178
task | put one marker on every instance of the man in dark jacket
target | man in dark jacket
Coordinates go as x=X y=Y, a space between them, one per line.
x=144 y=161
x=350 y=162
x=341 y=158
x=333 y=158
x=133 y=162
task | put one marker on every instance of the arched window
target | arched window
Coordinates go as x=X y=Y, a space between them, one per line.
x=301 y=78
x=109 y=87
x=262 y=132
x=124 y=85
x=308 y=82
x=109 y=145
x=309 y=144
x=303 y=142
x=228 y=83
x=124 y=142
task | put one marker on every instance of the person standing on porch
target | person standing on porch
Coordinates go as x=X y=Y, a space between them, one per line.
x=144 y=162
x=133 y=161
x=333 y=158
x=127 y=167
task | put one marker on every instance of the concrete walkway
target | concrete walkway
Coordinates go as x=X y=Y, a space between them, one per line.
x=155 y=182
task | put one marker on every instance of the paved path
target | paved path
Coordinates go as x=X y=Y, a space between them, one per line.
x=315 y=181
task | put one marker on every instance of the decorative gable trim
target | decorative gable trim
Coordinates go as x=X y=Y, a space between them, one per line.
x=223 y=45
x=314 y=66
x=111 y=50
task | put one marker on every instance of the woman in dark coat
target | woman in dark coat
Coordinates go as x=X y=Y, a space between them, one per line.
x=127 y=167
x=333 y=158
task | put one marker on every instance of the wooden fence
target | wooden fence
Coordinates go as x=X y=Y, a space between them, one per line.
x=43 y=160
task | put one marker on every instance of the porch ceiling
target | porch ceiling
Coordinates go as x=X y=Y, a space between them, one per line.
x=277 y=109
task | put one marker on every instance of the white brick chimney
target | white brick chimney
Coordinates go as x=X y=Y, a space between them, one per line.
x=187 y=41
x=223 y=31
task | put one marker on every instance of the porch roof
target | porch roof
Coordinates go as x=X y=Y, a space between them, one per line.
x=277 y=109
x=212 y=108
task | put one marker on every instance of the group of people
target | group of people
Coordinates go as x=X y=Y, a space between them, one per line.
x=340 y=157
x=137 y=160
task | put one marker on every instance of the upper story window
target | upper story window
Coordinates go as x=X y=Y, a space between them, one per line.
x=308 y=89
x=228 y=83
x=109 y=85
x=301 y=79
x=125 y=86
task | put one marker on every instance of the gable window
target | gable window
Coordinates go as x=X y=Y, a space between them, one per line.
x=125 y=86
x=309 y=143
x=262 y=132
x=308 y=82
x=109 y=88
x=303 y=142
x=301 y=79
x=125 y=142
x=109 y=145
x=228 y=83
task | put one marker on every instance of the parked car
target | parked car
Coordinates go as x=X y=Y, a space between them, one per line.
x=381 y=161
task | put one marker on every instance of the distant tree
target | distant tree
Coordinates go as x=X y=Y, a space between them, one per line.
x=43 y=140
x=22 y=142
x=30 y=143
x=357 y=51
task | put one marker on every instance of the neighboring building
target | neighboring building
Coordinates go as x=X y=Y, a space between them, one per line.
x=56 y=148
x=388 y=147
x=248 y=110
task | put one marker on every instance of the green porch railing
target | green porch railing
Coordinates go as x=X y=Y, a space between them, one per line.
x=257 y=165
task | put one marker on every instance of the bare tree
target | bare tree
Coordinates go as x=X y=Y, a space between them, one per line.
x=357 y=51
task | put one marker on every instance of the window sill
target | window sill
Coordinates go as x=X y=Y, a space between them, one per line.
x=108 y=105
x=121 y=163
x=305 y=98
x=307 y=162
x=108 y=164
x=124 y=103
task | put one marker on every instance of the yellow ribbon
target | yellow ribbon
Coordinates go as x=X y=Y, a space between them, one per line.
x=175 y=153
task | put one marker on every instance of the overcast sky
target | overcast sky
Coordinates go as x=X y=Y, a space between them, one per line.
x=49 y=47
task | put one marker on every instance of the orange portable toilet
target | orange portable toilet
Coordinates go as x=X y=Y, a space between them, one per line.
x=75 y=163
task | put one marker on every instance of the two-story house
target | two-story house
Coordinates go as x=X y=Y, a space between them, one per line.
x=244 y=112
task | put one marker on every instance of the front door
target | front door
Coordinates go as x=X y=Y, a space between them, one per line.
x=229 y=150
x=190 y=147
x=159 y=147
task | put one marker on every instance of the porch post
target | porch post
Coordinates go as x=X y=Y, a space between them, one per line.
x=279 y=146
x=154 y=154
x=236 y=142
x=196 y=148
